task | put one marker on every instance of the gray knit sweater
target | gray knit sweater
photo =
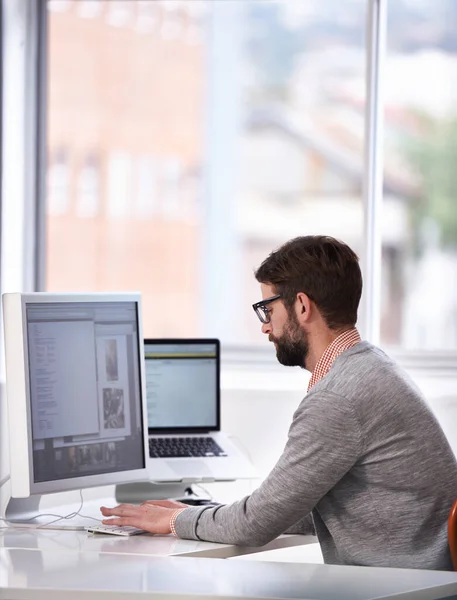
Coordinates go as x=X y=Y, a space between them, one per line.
x=367 y=459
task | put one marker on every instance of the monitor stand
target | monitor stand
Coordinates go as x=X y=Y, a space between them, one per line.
x=27 y=513
x=135 y=493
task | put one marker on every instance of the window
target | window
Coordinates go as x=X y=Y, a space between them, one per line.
x=119 y=185
x=58 y=183
x=419 y=308
x=286 y=147
x=146 y=192
x=170 y=187
x=126 y=94
x=218 y=131
x=88 y=200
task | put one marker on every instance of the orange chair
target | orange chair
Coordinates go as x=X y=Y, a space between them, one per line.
x=452 y=534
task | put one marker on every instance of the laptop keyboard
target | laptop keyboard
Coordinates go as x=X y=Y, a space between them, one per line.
x=169 y=447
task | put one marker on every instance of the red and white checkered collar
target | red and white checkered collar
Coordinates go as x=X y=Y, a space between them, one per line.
x=343 y=342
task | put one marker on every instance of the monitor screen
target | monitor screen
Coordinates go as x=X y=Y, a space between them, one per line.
x=182 y=384
x=83 y=394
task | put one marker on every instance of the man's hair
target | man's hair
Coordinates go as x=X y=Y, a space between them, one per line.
x=323 y=268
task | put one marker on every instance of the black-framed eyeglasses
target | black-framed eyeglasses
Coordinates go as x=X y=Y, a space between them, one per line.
x=261 y=308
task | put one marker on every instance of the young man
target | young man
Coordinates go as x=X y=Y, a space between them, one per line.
x=366 y=466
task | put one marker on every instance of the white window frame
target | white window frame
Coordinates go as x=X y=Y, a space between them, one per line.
x=376 y=33
x=24 y=144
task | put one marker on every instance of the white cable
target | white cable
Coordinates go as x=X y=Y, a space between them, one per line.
x=204 y=489
x=59 y=518
x=70 y=515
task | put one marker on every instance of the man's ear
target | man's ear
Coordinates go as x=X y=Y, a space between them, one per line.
x=303 y=306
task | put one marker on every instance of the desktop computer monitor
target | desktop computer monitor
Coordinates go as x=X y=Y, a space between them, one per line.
x=75 y=393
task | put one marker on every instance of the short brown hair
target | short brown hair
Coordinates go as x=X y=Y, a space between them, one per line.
x=323 y=268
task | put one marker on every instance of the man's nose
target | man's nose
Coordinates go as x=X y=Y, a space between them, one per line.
x=266 y=328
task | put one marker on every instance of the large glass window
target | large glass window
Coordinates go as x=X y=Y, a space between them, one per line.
x=126 y=101
x=419 y=308
x=186 y=140
x=302 y=137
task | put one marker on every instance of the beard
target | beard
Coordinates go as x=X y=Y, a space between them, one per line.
x=292 y=347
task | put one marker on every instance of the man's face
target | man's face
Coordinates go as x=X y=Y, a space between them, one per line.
x=284 y=330
x=292 y=346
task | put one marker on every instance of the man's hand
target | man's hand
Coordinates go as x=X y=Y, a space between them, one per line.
x=153 y=516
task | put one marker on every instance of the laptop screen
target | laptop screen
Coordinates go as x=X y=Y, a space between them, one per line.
x=182 y=385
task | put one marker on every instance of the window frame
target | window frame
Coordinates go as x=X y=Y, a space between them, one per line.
x=24 y=135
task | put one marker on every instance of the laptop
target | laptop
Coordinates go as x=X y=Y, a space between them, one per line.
x=183 y=402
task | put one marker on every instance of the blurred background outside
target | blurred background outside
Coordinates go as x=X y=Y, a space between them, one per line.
x=189 y=138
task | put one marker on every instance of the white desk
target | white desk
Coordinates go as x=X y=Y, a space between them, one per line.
x=39 y=564
x=53 y=540
x=61 y=540
x=49 y=575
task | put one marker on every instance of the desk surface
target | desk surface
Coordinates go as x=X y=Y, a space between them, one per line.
x=67 y=540
x=47 y=575
x=54 y=540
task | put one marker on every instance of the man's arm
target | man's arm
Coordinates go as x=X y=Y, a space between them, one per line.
x=303 y=527
x=323 y=444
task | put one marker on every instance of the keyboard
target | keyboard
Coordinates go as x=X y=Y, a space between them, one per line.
x=124 y=530
x=178 y=447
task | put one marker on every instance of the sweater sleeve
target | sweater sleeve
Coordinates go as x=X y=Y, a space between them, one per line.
x=323 y=444
x=304 y=526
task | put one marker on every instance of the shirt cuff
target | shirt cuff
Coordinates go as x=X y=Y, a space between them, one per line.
x=185 y=524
